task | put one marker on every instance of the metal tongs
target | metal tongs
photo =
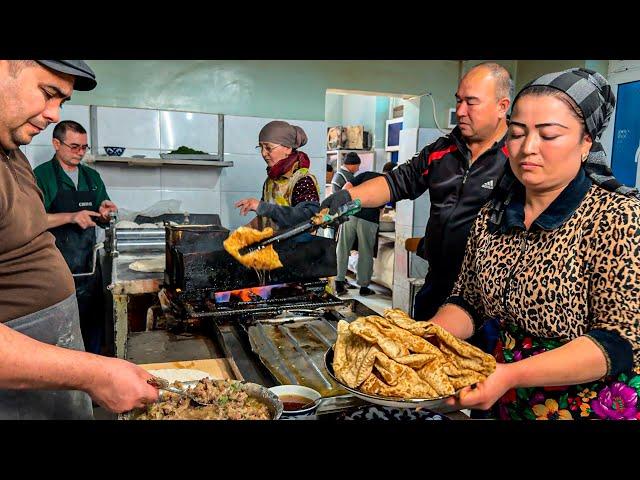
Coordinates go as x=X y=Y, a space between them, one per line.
x=163 y=384
x=343 y=212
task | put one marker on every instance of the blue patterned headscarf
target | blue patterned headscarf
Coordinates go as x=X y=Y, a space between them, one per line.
x=592 y=93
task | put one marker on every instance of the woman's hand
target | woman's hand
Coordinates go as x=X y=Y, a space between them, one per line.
x=247 y=205
x=485 y=393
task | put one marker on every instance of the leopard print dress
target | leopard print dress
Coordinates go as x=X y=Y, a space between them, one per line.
x=550 y=286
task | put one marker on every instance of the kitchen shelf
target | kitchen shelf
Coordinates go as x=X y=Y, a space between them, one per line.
x=156 y=162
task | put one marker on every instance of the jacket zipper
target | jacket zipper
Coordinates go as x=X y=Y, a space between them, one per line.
x=453 y=210
x=464 y=180
x=523 y=248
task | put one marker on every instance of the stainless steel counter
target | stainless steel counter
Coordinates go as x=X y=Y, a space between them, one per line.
x=124 y=283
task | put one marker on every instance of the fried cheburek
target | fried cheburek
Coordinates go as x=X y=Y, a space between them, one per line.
x=396 y=356
x=264 y=259
x=318 y=218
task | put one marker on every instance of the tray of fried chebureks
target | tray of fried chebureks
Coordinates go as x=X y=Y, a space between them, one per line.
x=398 y=362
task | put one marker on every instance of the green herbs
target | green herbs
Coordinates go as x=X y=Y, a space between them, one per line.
x=182 y=150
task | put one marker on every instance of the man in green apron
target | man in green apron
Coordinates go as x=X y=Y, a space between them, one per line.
x=75 y=198
x=45 y=372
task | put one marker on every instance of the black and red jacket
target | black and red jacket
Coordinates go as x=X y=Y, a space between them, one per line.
x=457 y=191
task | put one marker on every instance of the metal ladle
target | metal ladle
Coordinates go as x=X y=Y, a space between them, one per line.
x=163 y=384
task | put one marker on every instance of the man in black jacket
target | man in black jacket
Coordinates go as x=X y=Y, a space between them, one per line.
x=459 y=170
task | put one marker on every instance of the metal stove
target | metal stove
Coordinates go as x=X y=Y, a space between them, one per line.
x=276 y=327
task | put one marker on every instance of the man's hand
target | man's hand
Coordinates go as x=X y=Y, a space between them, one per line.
x=335 y=201
x=84 y=219
x=106 y=207
x=247 y=205
x=121 y=386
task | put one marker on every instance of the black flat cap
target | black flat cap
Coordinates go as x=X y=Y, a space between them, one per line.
x=85 y=77
x=352 y=158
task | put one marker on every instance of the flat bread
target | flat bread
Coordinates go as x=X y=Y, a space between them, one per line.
x=152 y=264
x=395 y=356
x=126 y=224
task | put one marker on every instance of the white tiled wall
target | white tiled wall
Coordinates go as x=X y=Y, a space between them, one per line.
x=247 y=174
x=411 y=219
x=79 y=113
x=133 y=128
x=198 y=188
x=195 y=201
x=124 y=176
x=408 y=144
x=404 y=213
x=134 y=199
x=404 y=226
x=421 y=208
x=427 y=136
x=40 y=149
x=241 y=134
x=195 y=130
x=246 y=177
x=38 y=154
x=380 y=159
x=191 y=178
x=201 y=189
x=422 y=204
x=230 y=215
x=150 y=132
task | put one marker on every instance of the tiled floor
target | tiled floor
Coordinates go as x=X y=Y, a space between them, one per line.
x=377 y=302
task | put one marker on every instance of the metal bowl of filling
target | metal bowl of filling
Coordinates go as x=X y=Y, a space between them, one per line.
x=228 y=400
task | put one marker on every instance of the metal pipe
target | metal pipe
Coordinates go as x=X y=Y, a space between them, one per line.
x=132 y=245
x=96 y=247
x=140 y=234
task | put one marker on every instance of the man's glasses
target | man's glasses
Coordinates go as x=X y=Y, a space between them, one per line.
x=75 y=147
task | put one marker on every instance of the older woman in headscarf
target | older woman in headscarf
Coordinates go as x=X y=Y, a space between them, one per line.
x=290 y=194
x=555 y=256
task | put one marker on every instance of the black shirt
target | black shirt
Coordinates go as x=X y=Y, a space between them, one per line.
x=457 y=191
x=369 y=214
x=341 y=177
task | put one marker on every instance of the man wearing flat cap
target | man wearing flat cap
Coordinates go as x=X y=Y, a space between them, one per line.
x=45 y=372
x=346 y=173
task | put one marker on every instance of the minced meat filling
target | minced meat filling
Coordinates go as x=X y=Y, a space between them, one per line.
x=228 y=402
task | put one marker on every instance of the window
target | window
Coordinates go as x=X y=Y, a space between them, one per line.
x=392 y=143
x=453 y=120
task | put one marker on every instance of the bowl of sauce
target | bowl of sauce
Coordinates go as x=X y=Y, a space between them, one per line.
x=294 y=398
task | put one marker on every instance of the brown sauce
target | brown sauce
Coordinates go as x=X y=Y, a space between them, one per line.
x=294 y=402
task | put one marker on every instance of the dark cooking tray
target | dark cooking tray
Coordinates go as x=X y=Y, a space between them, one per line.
x=219 y=271
x=294 y=352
